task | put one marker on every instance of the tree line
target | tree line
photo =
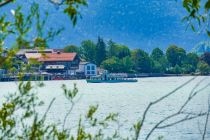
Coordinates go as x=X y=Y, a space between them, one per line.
x=115 y=57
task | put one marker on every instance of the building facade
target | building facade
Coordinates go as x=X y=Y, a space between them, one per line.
x=63 y=63
x=88 y=69
x=57 y=64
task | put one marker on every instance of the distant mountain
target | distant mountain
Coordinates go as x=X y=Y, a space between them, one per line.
x=202 y=47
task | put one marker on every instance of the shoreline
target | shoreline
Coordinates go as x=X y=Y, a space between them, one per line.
x=142 y=75
x=133 y=76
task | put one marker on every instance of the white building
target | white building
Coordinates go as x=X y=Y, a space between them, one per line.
x=89 y=69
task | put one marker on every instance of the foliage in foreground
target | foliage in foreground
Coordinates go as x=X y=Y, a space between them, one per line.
x=19 y=118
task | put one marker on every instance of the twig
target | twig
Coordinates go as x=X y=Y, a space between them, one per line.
x=3 y=3
x=67 y=114
x=180 y=112
x=187 y=118
x=207 y=118
x=50 y=105
x=193 y=95
x=157 y=101
x=70 y=110
x=197 y=85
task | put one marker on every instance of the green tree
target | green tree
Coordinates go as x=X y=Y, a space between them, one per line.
x=88 y=51
x=71 y=48
x=206 y=58
x=111 y=49
x=115 y=64
x=142 y=61
x=127 y=64
x=175 y=70
x=160 y=66
x=203 y=68
x=192 y=59
x=190 y=63
x=175 y=55
x=187 y=69
x=122 y=51
x=157 y=54
x=159 y=60
x=100 y=51
x=117 y=50
x=112 y=64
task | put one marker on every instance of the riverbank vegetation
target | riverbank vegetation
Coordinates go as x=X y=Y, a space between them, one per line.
x=120 y=58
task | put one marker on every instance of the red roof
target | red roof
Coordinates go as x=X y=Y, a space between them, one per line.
x=58 y=57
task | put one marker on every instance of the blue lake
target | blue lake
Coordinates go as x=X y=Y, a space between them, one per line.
x=130 y=101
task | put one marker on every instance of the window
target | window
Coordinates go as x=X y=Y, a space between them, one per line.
x=88 y=67
x=93 y=72
x=88 y=72
x=93 y=67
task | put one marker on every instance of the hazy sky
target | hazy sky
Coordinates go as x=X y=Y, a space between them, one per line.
x=141 y=24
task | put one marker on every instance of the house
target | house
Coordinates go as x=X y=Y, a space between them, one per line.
x=25 y=54
x=36 y=50
x=33 y=56
x=63 y=63
x=51 y=61
x=58 y=50
x=87 y=68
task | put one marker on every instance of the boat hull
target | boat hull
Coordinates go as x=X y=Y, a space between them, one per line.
x=112 y=81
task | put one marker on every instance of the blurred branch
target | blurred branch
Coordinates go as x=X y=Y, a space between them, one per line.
x=157 y=101
x=3 y=3
x=70 y=110
x=188 y=116
x=67 y=114
x=50 y=105
x=207 y=119
x=70 y=95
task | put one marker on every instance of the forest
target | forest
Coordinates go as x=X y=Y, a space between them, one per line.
x=118 y=58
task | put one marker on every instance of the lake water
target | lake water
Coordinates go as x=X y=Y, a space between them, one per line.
x=130 y=101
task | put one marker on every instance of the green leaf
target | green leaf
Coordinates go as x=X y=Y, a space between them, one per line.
x=208 y=33
x=207 y=5
x=192 y=27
